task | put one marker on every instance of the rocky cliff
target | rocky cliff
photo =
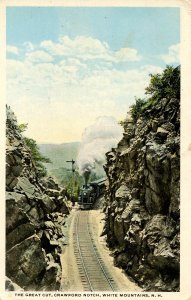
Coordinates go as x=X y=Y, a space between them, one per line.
x=36 y=211
x=142 y=198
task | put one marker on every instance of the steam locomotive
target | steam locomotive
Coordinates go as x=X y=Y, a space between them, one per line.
x=90 y=192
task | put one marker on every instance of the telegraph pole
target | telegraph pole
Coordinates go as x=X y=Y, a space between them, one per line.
x=72 y=162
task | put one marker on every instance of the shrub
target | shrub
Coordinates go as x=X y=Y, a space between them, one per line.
x=136 y=109
x=165 y=85
x=37 y=157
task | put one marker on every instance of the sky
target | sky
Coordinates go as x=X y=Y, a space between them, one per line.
x=68 y=66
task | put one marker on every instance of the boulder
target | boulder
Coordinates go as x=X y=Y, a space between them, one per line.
x=51 y=280
x=132 y=206
x=20 y=199
x=25 y=261
x=52 y=193
x=160 y=225
x=11 y=182
x=48 y=204
x=122 y=192
x=154 y=203
x=64 y=209
x=11 y=286
x=34 y=215
x=19 y=234
x=119 y=230
x=14 y=216
x=27 y=187
x=161 y=132
x=163 y=258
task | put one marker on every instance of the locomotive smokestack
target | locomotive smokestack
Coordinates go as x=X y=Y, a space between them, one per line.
x=86 y=177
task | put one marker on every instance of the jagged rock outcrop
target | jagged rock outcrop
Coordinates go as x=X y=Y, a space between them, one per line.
x=142 y=199
x=36 y=211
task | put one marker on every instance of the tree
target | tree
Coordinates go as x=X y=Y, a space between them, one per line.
x=35 y=152
x=22 y=127
x=136 y=109
x=37 y=157
x=165 y=85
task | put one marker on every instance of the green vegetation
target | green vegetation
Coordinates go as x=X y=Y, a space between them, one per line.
x=36 y=155
x=22 y=127
x=72 y=181
x=165 y=85
x=60 y=169
x=137 y=108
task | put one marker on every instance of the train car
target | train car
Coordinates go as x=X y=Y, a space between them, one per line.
x=90 y=192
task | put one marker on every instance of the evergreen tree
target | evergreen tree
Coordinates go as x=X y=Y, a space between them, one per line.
x=37 y=157
x=165 y=85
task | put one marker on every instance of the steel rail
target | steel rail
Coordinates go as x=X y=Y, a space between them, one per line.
x=81 y=256
x=84 y=245
x=100 y=264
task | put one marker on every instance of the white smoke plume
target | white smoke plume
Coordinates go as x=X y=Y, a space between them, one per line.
x=98 y=139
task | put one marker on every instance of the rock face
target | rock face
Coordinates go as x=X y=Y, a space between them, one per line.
x=142 y=198
x=36 y=211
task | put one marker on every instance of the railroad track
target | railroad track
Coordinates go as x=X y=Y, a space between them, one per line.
x=93 y=273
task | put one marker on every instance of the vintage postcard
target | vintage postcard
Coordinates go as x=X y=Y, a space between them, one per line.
x=96 y=137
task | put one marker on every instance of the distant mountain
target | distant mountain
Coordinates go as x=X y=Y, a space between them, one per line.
x=59 y=154
x=59 y=168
